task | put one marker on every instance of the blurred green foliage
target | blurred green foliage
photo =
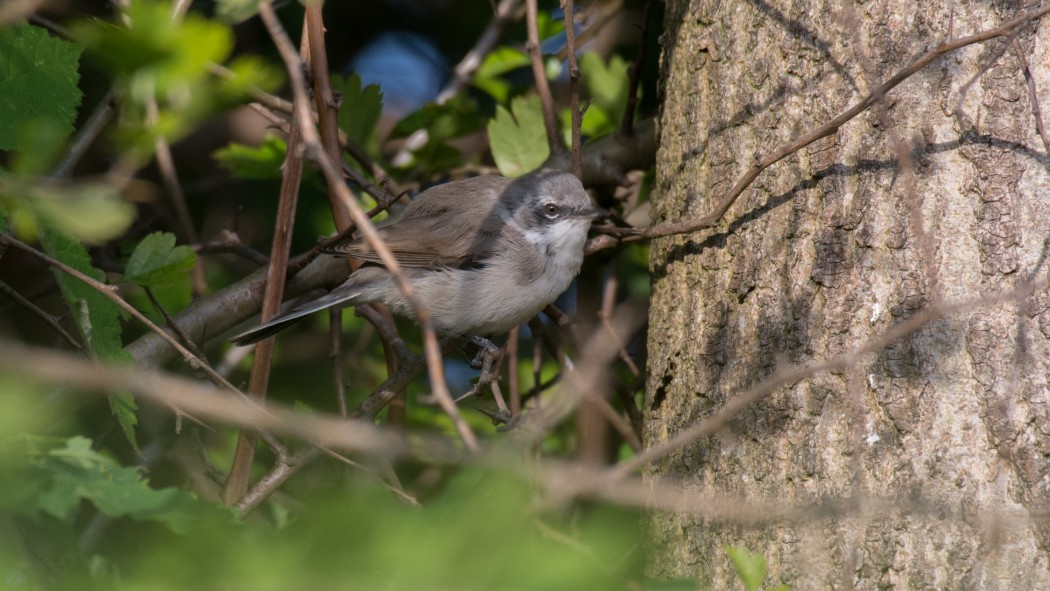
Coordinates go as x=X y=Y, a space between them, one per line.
x=162 y=64
x=113 y=497
x=75 y=518
x=751 y=568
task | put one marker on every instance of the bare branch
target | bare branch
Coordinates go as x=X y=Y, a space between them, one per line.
x=539 y=73
x=568 y=8
x=617 y=235
x=110 y=293
x=635 y=72
x=368 y=231
x=464 y=71
x=103 y=114
x=1033 y=97
x=39 y=313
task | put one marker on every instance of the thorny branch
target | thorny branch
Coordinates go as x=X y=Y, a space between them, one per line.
x=539 y=74
x=368 y=231
x=280 y=249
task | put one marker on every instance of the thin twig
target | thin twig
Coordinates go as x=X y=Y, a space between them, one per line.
x=464 y=71
x=965 y=88
x=634 y=74
x=50 y=320
x=335 y=354
x=568 y=8
x=605 y=314
x=292 y=171
x=1033 y=96
x=368 y=230
x=514 y=371
x=174 y=326
x=745 y=399
x=230 y=243
x=103 y=114
x=170 y=178
x=168 y=175
x=324 y=102
x=616 y=235
x=539 y=73
x=109 y=292
x=912 y=199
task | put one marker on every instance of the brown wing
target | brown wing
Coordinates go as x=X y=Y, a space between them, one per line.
x=448 y=225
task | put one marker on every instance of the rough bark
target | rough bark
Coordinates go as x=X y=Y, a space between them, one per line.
x=905 y=205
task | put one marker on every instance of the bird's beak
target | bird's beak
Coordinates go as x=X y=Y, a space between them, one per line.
x=594 y=212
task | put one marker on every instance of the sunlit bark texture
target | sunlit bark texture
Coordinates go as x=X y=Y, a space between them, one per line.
x=920 y=199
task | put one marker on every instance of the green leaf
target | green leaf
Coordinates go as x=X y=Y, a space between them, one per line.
x=496 y=63
x=259 y=163
x=92 y=212
x=751 y=568
x=250 y=73
x=157 y=262
x=360 y=108
x=62 y=473
x=41 y=142
x=97 y=318
x=517 y=137
x=455 y=118
x=38 y=81
x=500 y=61
x=164 y=64
x=162 y=54
x=606 y=84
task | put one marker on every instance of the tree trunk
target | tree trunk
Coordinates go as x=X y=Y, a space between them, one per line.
x=927 y=463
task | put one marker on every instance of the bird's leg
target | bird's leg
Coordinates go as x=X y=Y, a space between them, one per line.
x=487 y=361
x=487 y=352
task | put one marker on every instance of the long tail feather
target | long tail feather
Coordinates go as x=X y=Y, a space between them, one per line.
x=283 y=321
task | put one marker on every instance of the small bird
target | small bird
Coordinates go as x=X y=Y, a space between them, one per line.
x=483 y=255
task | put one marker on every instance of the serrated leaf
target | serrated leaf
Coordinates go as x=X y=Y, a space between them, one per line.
x=750 y=567
x=97 y=318
x=158 y=264
x=517 y=137
x=38 y=81
x=246 y=162
x=63 y=473
x=156 y=261
x=360 y=108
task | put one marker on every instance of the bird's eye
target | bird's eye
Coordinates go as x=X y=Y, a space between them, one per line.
x=550 y=210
